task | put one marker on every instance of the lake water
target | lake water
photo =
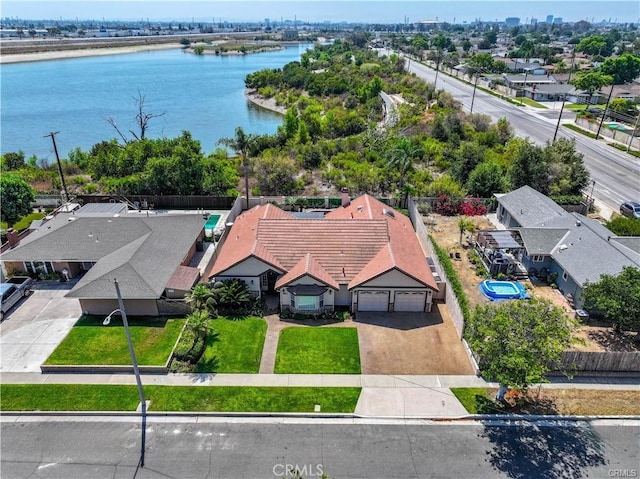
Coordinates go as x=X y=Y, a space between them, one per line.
x=201 y=94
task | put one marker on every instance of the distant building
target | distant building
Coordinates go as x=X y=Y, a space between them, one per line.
x=512 y=21
x=290 y=35
x=557 y=20
x=549 y=18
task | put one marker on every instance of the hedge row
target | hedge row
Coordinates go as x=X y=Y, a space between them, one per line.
x=458 y=290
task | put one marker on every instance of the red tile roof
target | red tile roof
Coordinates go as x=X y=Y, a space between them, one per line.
x=350 y=252
x=309 y=267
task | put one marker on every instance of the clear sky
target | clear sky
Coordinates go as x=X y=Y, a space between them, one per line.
x=388 y=11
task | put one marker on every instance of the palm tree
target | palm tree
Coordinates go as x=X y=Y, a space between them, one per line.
x=198 y=296
x=400 y=159
x=465 y=224
x=199 y=323
x=241 y=144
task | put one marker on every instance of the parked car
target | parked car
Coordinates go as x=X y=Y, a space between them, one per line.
x=630 y=209
x=12 y=291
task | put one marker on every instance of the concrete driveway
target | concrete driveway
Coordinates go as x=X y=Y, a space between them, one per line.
x=411 y=343
x=33 y=329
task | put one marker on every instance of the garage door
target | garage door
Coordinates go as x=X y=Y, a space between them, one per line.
x=410 y=301
x=373 y=301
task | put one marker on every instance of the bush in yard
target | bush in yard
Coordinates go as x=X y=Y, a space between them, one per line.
x=232 y=294
x=446 y=205
x=472 y=207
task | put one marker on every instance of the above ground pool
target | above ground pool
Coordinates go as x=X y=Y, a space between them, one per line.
x=500 y=290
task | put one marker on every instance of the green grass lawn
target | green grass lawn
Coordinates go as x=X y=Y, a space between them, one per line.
x=530 y=102
x=474 y=400
x=89 y=342
x=318 y=351
x=234 y=347
x=87 y=397
x=24 y=222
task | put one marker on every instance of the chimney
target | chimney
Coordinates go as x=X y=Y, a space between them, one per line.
x=12 y=237
x=345 y=197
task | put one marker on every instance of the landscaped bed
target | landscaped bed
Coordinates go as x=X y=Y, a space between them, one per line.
x=581 y=402
x=234 y=346
x=85 y=397
x=91 y=343
x=316 y=350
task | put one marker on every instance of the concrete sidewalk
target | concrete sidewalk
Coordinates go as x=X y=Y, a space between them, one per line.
x=381 y=396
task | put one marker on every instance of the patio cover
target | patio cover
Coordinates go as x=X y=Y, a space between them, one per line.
x=501 y=239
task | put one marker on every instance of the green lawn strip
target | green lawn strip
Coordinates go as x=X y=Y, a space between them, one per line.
x=67 y=397
x=91 y=343
x=577 y=129
x=85 y=397
x=476 y=400
x=318 y=351
x=530 y=102
x=252 y=399
x=235 y=346
x=24 y=222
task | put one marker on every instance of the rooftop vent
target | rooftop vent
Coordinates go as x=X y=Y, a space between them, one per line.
x=578 y=223
x=360 y=208
x=388 y=212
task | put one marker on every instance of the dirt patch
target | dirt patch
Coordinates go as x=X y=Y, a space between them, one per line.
x=581 y=402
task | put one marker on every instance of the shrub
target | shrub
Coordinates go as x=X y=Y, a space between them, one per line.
x=446 y=205
x=472 y=207
x=453 y=279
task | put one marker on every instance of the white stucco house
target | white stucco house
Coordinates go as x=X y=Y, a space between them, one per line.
x=363 y=256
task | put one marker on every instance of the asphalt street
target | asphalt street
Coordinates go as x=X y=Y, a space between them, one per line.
x=215 y=448
x=616 y=173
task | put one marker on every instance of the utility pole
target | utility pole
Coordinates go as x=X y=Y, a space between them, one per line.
x=604 y=113
x=564 y=97
x=55 y=149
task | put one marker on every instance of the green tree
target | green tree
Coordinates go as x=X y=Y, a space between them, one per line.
x=623 y=226
x=567 y=174
x=400 y=160
x=12 y=160
x=198 y=296
x=591 y=82
x=232 y=294
x=16 y=197
x=623 y=69
x=465 y=224
x=618 y=297
x=241 y=144
x=486 y=179
x=529 y=168
x=594 y=45
x=517 y=341
x=276 y=174
x=198 y=50
x=199 y=323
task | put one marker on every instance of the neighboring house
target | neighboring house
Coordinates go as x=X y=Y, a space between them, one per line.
x=363 y=256
x=148 y=255
x=523 y=80
x=555 y=92
x=579 y=249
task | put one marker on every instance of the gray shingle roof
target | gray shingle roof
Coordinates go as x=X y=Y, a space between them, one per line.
x=541 y=240
x=141 y=252
x=530 y=207
x=582 y=246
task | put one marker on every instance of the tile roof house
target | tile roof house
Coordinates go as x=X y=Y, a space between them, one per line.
x=149 y=256
x=579 y=249
x=364 y=256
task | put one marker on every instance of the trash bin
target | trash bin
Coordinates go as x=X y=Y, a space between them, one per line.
x=582 y=315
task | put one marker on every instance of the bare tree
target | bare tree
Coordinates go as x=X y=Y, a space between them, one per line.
x=142 y=120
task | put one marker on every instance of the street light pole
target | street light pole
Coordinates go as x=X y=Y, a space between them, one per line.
x=604 y=113
x=136 y=371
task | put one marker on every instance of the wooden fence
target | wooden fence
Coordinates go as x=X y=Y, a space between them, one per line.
x=594 y=361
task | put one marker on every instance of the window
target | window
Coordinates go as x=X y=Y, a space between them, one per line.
x=307 y=303
x=538 y=258
x=293 y=300
x=321 y=301
x=564 y=275
x=264 y=281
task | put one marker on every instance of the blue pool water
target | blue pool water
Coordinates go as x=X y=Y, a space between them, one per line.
x=212 y=222
x=501 y=290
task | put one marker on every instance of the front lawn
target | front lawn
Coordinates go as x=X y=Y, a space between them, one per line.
x=318 y=351
x=235 y=346
x=87 y=397
x=530 y=102
x=91 y=343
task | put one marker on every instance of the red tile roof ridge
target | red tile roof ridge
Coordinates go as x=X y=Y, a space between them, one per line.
x=308 y=266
